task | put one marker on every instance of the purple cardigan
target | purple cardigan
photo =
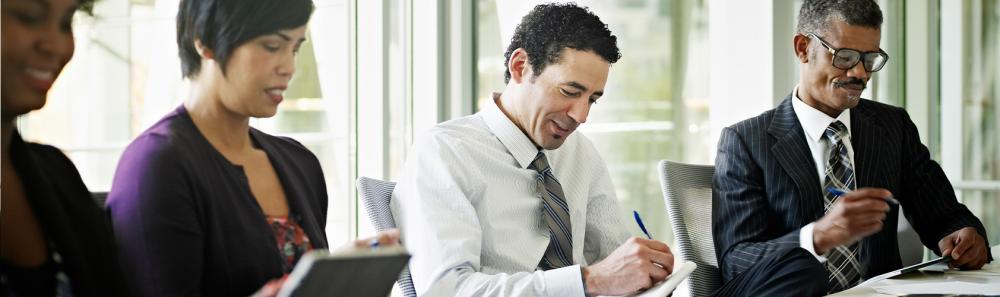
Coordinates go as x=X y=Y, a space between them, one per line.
x=186 y=220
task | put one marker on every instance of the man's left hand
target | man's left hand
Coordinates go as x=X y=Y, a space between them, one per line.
x=966 y=247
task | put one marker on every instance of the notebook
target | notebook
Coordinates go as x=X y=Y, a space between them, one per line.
x=355 y=272
x=908 y=269
x=667 y=286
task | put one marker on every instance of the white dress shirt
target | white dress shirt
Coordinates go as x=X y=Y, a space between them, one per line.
x=814 y=123
x=470 y=212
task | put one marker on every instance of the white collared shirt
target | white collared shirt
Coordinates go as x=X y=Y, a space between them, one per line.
x=470 y=212
x=814 y=123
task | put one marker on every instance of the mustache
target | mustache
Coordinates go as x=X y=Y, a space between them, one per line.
x=851 y=83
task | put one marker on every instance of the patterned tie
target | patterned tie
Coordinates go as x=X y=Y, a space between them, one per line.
x=842 y=262
x=560 y=250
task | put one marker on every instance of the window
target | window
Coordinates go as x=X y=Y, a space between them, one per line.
x=978 y=180
x=656 y=102
x=944 y=71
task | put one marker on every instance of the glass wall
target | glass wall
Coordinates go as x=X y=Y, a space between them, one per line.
x=979 y=117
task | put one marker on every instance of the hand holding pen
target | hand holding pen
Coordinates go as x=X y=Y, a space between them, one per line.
x=841 y=192
x=636 y=264
x=385 y=238
x=851 y=217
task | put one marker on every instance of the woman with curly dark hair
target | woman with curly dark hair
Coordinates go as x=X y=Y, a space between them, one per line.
x=54 y=241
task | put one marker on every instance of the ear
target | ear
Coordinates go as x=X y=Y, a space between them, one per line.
x=800 y=43
x=203 y=51
x=518 y=65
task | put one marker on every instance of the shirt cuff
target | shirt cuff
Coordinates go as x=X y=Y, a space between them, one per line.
x=566 y=281
x=806 y=241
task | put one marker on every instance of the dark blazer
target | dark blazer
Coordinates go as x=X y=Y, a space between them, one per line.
x=766 y=187
x=187 y=221
x=71 y=221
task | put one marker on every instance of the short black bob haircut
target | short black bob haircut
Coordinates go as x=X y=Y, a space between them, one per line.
x=549 y=28
x=224 y=25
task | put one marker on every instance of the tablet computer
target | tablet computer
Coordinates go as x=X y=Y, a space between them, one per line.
x=361 y=272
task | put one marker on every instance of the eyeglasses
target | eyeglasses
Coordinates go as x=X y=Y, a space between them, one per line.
x=847 y=58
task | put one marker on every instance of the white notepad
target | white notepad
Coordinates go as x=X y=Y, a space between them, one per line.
x=904 y=270
x=667 y=286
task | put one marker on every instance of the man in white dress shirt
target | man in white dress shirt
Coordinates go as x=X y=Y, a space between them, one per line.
x=509 y=201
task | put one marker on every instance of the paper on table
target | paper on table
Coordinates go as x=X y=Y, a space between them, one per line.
x=987 y=270
x=943 y=287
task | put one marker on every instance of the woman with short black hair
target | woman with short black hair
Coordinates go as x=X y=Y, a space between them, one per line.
x=202 y=203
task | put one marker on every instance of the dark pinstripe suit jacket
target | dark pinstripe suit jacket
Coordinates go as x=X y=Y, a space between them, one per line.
x=766 y=186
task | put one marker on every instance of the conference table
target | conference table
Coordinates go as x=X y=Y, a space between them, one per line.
x=972 y=283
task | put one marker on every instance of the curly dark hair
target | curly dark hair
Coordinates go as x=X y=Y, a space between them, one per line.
x=549 y=28
x=224 y=25
x=815 y=15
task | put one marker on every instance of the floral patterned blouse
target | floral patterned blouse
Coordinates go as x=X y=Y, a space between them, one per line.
x=292 y=240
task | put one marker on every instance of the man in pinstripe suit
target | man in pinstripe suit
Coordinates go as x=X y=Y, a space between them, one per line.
x=773 y=171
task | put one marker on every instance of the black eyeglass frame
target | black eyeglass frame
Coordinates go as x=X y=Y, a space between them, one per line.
x=861 y=55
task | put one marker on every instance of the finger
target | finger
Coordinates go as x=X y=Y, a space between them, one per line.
x=961 y=262
x=867 y=193
x=658 y=274
x=868 y=229
x=974 y=257
x=982 y=258
x=946 y=244
x=871 y=224
x=864 y=221
x=963 y=245
x=866 y=206
x=663 y=259
x=389 y=237
x=653 y=244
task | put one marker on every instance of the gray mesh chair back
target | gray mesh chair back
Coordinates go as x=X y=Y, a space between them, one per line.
x=687 y=191
x=376 y=195
x=911 y=250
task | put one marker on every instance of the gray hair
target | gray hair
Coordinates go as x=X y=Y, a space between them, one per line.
x=816 y=16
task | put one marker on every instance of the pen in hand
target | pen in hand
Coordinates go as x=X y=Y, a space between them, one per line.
x=841 y=192
x=641 y=226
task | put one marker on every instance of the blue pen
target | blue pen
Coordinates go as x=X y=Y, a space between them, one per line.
x=841 y=192
x=374 y=243
x=641 y=226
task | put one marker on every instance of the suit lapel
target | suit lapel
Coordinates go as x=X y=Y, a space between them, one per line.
x=865 y=134
x=870 y=170
x=794 y=156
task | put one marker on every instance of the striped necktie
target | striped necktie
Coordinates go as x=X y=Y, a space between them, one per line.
x=556 y=216
x=842 y=261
